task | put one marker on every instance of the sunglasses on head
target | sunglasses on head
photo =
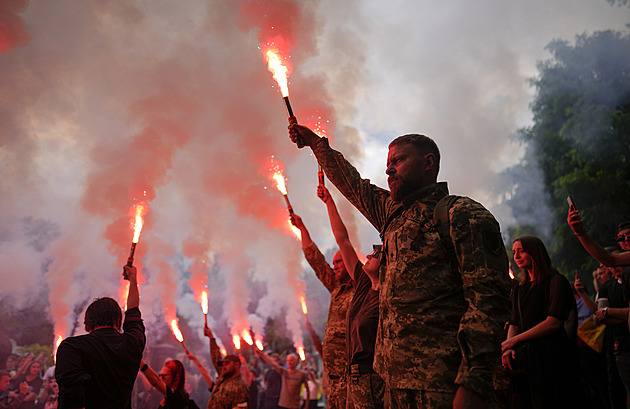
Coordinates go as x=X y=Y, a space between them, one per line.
x=623 y=237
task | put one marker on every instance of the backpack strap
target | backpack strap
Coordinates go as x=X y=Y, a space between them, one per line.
x=442 y=223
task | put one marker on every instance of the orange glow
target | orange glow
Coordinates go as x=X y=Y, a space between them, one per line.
x=59 y=338
x=137 y=213
x=512 y=274
x=223 y=351
x=245 y=335
x=279 y=70
x=296 y=232
x=204 y=301
x=176 y=331
x=259 y=345
x=300 y=351
x=303 y=302
x=237 y=341
x=280 y=182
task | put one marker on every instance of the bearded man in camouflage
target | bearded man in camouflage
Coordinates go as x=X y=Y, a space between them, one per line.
x=441 y=313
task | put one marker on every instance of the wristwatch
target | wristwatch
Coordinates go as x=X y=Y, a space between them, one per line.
x=605 y=311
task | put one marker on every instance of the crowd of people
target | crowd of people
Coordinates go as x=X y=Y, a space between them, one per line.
x=431 y=318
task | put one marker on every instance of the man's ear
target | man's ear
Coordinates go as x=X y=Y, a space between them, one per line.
x=429 y=162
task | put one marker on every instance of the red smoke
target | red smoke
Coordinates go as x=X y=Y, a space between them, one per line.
x=12 y=31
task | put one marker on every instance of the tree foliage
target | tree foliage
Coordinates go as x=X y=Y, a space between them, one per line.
x=579 y=145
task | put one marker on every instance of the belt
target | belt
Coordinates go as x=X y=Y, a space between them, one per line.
x=361 y=368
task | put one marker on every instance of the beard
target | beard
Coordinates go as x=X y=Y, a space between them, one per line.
x=395 y=188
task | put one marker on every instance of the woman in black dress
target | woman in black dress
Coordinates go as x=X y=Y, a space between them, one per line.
x=538 y=343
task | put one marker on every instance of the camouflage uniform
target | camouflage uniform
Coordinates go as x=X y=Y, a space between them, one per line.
x=334 y=345
x=226 y=393
x=438 y=328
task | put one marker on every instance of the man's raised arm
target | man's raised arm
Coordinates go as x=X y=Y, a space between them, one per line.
x=133 y=297
x=348 y=253
x=372 y=201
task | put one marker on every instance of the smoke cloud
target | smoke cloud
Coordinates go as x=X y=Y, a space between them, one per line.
x=108 y=103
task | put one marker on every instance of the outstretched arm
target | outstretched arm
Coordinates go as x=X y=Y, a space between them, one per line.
x=202 y=369
x=268 y=359
x=153 y=378
x=215 y=351
x=598 y=252
x=339 y=230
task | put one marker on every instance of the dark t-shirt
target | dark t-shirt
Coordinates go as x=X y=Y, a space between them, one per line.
x=98 y=370
x=614 y=292
x=35 y=386
x=552 y=297
x=362 y=321
x=178 y=400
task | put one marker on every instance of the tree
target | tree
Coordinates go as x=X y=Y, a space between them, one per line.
x=579 y=145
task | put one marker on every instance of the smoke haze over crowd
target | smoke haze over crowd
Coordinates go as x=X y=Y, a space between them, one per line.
x=106 y=103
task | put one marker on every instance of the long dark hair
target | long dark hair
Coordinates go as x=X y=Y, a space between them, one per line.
x=541 y=262
x=179 y=375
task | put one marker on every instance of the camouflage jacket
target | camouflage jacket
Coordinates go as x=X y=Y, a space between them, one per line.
x=334 y=345
x=229 y=393
x=438 y=328
x=226 y=393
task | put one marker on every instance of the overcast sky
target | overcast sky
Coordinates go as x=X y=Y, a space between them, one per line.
x=103 y=101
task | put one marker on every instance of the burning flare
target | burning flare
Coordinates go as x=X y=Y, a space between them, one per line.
x=259 y=345
x=278 y=69
x=223 y=351
x=237 y=341
x=204 y=302
x=280 y=182
x=300 y=351
x=58 y=340
x=246 y=336
x=176 y=331
x=303 y=302
x=137 y=212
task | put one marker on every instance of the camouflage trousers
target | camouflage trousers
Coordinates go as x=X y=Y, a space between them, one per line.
x=415 y=399
x=337 y=395
x=366 y=391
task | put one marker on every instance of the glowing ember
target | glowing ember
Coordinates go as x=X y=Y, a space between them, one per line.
x=237 y=341
x=137 y=212
x=204 y=302
x=259 y=345
x=245 y=335
x=280 y=182
x=176 y=331
x=279 y=70
x=300 y=351
x=56 y=346
x=223 y=351
x=303 y=302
